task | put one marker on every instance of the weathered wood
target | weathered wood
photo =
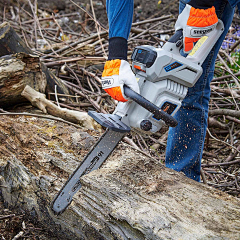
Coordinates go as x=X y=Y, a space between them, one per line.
x=130 y=197
x=17 y=71
x=39 y=100
x=11 y=43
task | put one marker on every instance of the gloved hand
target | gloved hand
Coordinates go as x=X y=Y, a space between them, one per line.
x=117 y=73
x=195 y=24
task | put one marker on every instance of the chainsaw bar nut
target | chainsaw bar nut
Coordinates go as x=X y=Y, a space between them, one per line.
x=146 y=125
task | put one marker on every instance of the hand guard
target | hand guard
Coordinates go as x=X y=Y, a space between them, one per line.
x=195 y=24
x=117 y=73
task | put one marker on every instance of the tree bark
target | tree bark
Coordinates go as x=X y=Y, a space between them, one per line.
x=17 y=71
x=11 y=43
x=130 y=197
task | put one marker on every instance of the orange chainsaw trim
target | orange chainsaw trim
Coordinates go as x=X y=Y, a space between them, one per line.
x=202 y=17
x=112 y=68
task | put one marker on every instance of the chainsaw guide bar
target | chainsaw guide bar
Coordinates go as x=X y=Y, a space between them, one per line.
x=94 y=159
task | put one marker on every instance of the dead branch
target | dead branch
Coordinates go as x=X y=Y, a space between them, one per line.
x=227 y=112
x=39 y=100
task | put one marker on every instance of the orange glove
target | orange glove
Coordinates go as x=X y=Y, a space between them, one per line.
x=117 y=73
x=195 y=24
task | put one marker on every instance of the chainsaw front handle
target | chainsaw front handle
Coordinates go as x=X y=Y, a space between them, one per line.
x=158 y=112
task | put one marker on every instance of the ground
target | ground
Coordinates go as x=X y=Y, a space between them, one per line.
x=13 y=222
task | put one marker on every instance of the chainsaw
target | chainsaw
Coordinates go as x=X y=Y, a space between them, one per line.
x=164 y=76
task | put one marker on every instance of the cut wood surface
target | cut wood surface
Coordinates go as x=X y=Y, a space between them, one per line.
x=131 y=196
x=16 y=72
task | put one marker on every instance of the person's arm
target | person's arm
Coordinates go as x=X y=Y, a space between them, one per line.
x=201 y=4
x=117 y=71
x=120 y=16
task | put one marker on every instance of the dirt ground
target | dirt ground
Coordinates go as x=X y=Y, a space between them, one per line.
x=14 y=223
x=143 y=9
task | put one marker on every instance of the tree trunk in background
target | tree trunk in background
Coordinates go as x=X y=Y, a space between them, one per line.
x=11 y=43
x=17 y=71
x=131 y=197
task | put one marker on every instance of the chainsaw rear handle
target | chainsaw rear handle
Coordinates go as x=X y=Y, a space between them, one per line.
x=203 y=47
x=158 y=112
x=177 y=37
x=175 y=43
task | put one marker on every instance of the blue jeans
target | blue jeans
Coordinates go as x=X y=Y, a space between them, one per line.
x=185 y=142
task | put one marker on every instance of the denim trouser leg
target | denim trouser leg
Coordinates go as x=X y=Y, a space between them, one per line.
x=185 y=142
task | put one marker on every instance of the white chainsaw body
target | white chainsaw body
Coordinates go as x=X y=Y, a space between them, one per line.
x=164 y=80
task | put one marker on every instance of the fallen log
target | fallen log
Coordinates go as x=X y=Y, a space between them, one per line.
x=17 y=71
x=132 y=196
x=11 y=43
